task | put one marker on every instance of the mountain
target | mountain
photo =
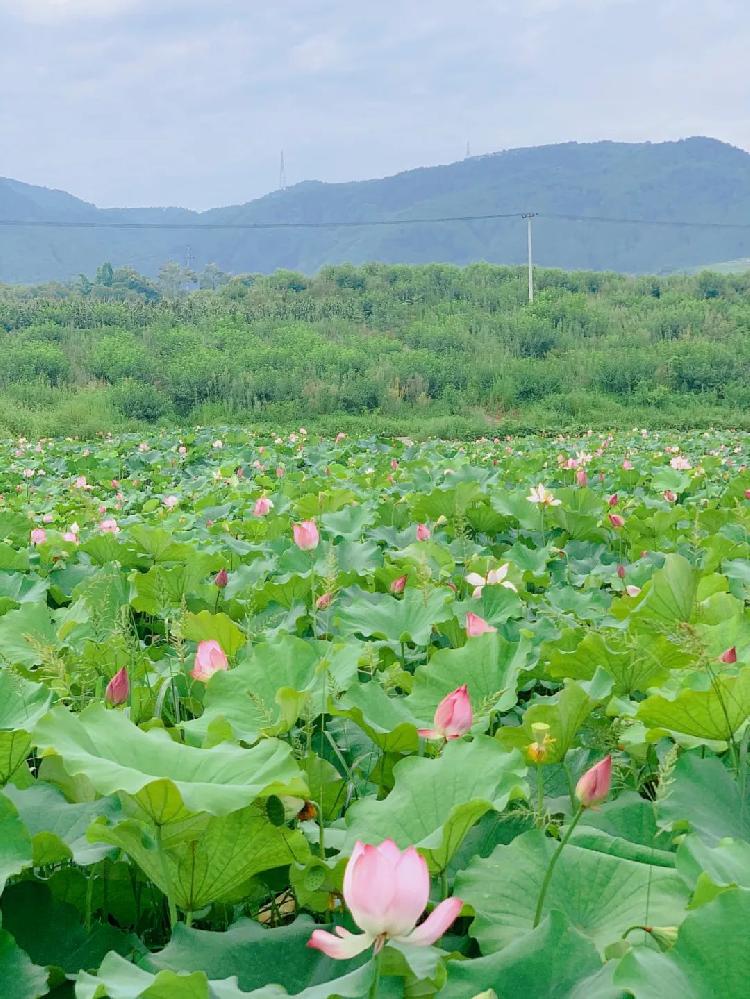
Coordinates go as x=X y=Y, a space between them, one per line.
x=696 y=179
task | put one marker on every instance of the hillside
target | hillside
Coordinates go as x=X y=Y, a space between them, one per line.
x=697 y=179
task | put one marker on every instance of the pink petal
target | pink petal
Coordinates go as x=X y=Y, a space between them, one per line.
x=340 y=947
x=436 y=923
x=371 y=888
x=430 y=733
x=412 y=892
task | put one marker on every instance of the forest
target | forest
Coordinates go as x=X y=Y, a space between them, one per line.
x=426 y=350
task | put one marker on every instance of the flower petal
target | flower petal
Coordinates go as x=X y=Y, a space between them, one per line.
x=369 y=888
x=412 y=892
x=340 y=947
x=430 y=733
x=436 y=923
x=474 y=579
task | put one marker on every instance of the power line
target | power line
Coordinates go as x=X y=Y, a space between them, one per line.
x=680 y=223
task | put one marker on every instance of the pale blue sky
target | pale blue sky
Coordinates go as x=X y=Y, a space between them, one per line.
x=146 y=102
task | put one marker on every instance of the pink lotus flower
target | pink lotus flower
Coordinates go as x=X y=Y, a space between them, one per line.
x=453 y=716
x=323 y=601
x=182 y=449
x=476 y=625
x=263 y=506
x=386 y=891
x=339 y=437
x=729 y=655
x=616 y=520
x=747 y=494
x=628 y=465
x=38 y=536
x=632 y=591
x=306 y=535
x=680 y=462
x=670 y=496
x=423 y=532
x=581 y=478
x=170 y=502
x=542 y=496
x=118 y=688
x=210 y=658
x=613 y=500
x=28 y=473
x=495 y=577
x=221 y=579
x=109 y=526
x=47 y=518
x=594 y=786
x=398 y=585
x=621 y=571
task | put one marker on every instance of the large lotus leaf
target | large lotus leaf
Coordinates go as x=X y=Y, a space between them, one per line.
x=489 y=666
x=565 y=713
x=20 y=977
x=50 y=931
x=166 y=777
x=602 y=895
x=709 y=959
x=58 y=827
x=446 y=501
x=119 y=979
x=257 y=956
x=435 y=802
x=25 y=633
x=631 y=666
x=388 y=721
x=713 y=869
x=626 y=827
x=349 y=522
x=15 y=842
x=162 y=589
x=669 y=598
x=22 y=704
x=219 y=627
x=212 y=862
x=22 y=588
x=704 y=797
x=547 y=963
x=409 y=619
x=713 y=714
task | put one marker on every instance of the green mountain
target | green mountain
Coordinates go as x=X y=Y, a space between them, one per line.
x=696 y=179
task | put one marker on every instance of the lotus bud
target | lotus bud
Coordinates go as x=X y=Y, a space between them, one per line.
x=423 y=532
x=306 y=536
x=118 y=688
x=729 y=655
x=594 y=786
x=621 y=571
x=221 y=579
x=476 y=625
x=616 y=520
x=665 y=936
x=398 y=585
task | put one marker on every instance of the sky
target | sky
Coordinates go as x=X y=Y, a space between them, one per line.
x=189 y=102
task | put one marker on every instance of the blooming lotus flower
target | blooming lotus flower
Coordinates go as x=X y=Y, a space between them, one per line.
x=262 y=507
x=632 y=591
x=594 y=786
x=495 y=577
x=729 y=655
x=453 y=716
x=323 y=601
x=28 y=473
x=109 y=526
x=680 y=462
x=170 y=502
x=118 y=688
x=38 y=536
x=669 y=496
x=48 y=518
x=423 y=532
x=616 y=520
x=386 y=891
x=398 y=585
x=306 y=536
x=339 y=437
x=628 y=465
x=747 y=494
x=476 y=625
x=582 y=478
x=182 y=449
x=217 y=445
x=542 y=496
x=210 y=658
x=221 y=579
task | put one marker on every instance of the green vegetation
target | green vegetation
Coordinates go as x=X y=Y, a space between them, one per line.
x=421 y=350
x=697 y=179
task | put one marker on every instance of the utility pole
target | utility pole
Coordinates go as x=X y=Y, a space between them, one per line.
x=282 y=173
x=529 y=216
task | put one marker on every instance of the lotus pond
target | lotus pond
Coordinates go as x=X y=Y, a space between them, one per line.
x=313 y=718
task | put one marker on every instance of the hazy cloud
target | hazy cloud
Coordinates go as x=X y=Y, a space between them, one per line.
x=128 y=102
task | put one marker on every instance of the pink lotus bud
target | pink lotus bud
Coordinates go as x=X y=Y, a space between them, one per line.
x=210 y=658
x=747 y=494
x=670 y=496
x=306 y=535
x=581 y=478
x=632 y=591
x=279 y=472
x=339 y=438
x=47 y=518
x=262 y=507
x=397 y=586
x=109 y=526
x=627 y=465
x=423 y=532
x=594 y=786
x=386 y=891
x=453 y=716
x=616 y=520
x=118 y=688
x=323 y=601
x=221 y=579
x=729 y=655
x=38 y=536
x=394 y=464
x=613 y=500
x=476 y=625
x=621 y=571
x=71 y=537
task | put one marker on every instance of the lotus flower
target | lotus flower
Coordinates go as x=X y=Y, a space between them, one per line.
x=109 y=526
x=495 y=577
x=627 y=465
x=221 y=579
x=476 y=625
x=581 y=478
x=453 y=716
x=423 y=532
x=386 y=890
x=594 y=786
x=323 y=601
x=613 y=500
x=38 y=536
x=542 y=496
x=170 y=502
x=632 y=591
x=118 y=688
x=729 y=655
x=616 y=520
x=262 y=507
x=306 y=535
x=398 y=585
x=210 y=658
x=680 y=462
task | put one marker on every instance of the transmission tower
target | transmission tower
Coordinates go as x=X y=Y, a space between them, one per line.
x=282 y=173
x=468 y=150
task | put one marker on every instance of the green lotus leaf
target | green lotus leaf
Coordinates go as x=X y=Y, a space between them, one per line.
x=15 y=842
x=703 y=796
x=409 y=619
x=670 y=597
x=24 y=633
x=20 y=977
x=219 y=627
x=714 y=714
x=119 y=979
x=22 y=704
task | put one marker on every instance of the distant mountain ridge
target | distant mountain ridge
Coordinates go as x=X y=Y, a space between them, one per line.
x=696 y=179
